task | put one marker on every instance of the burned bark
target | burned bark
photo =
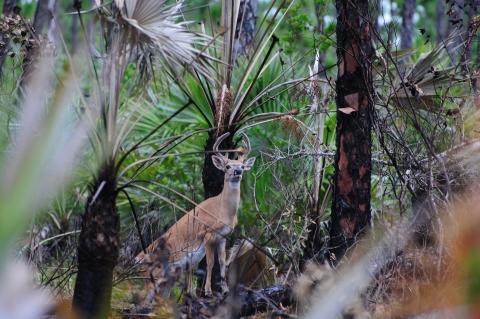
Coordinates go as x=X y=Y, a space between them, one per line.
x=246 y=303
x=353 y=165
x=98 y=252
x=42 y=18
x=441 y=21
x=246 y=27
x=407 y=23
x=320 y=12
x=8 y=6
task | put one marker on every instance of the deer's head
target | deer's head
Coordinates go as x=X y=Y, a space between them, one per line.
x=233 y=168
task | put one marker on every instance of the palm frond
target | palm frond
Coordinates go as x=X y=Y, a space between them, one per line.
x=423 y=82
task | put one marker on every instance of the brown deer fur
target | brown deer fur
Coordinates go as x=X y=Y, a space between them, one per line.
x=204 y=228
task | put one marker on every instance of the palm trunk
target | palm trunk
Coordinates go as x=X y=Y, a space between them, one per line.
x=8 y=6
x=353 y=165
x=407 y=23
x=98 y=251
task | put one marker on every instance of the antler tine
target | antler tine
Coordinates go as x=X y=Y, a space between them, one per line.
x=246 y=146
x=217 y=143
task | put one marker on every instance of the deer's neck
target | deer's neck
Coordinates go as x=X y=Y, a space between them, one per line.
x=231 y=196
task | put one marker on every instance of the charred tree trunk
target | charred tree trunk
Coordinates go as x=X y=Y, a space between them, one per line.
x=98 y=251
x=353 y=164
x=7 y=11
x=41 y=20
x=75 y=38
x=441 y=21
x=320 y=12
x=407 y=23
x=42 y=17
x=455 y=21
x=246 y=27
x=375 y=11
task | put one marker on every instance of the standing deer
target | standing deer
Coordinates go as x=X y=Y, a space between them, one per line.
x=204 y=228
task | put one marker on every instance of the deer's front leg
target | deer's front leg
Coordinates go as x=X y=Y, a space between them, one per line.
x=222 y=256
x=210 y=255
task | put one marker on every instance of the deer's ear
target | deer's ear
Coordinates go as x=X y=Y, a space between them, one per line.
x=249 y=163
x=218 y=162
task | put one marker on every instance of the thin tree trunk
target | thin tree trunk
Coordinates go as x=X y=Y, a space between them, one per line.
x=353 y=164
x=42 y=17
x=320 y=12
x=407 y=23
x=40 y=23
x=8 y=6
x=441 y=21
x=375 y=10
x=74 y=33
x=246 y=27
x=456 y=16
x=53 y=28
x=98 y=251
x=468 y=49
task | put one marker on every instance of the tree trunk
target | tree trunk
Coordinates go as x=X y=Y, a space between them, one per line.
x=320 y=12
x=42 y=17
x=468 y=49
x=98 y=251
x=75 y=38
x=375 y=10
x=407 y=23
x=40 y=22
x=246 y=27
x=457 y=15
x=351 y=198
x=441 y=21
x=7 y=10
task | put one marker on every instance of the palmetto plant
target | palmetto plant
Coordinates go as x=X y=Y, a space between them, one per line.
x=142 y=36
x=246 y=89
x=229 y=104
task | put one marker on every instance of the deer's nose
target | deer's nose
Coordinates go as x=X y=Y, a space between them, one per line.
x=237 y=171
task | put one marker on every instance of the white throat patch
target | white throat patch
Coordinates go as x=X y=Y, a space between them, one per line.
x=234 y=185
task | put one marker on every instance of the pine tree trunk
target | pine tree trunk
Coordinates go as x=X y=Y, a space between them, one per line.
x=320 y=12
x=98 y=251
x=407 y=23
x=7 y=10
x=441 y=21
x=353 y=165
x=457 y=14
x=40 y=23
x=75 y=38
x=246 y=27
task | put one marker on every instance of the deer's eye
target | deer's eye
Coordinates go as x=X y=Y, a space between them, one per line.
x=228 y=166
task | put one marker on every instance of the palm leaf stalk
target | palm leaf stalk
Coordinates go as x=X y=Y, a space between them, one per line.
x=144 y=34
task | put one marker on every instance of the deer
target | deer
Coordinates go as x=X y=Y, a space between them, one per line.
x=202 y=230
